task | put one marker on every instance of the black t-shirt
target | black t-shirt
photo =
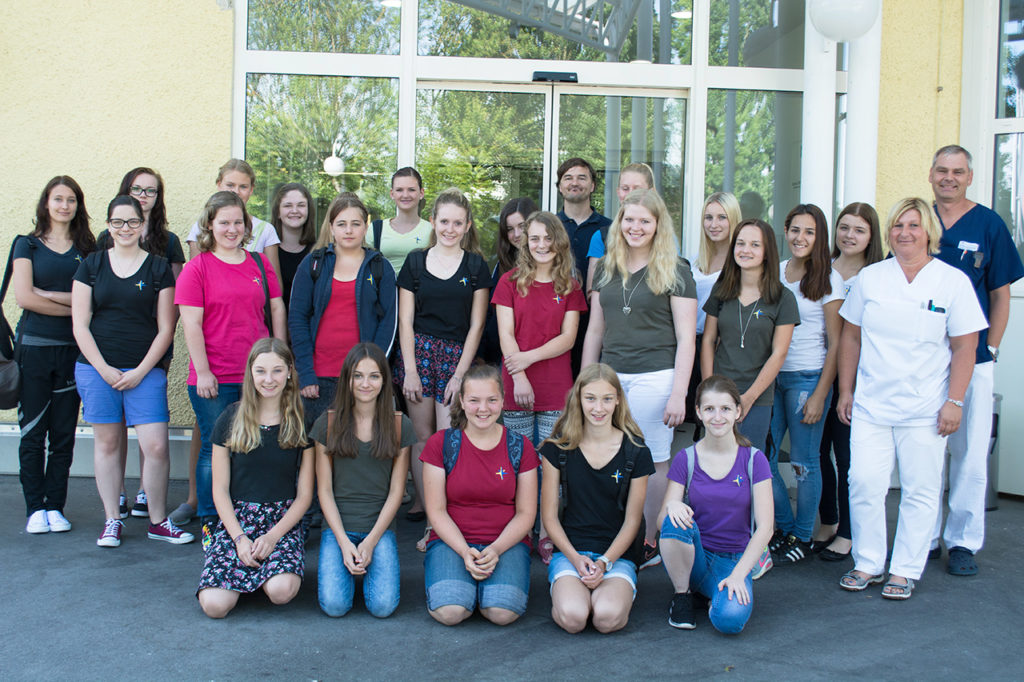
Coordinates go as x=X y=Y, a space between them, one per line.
x=592 y=516
x=289 y=264
x=267 y=474
x=51 y=271
x=173 y=253
x=124 y=309
x=444 y=306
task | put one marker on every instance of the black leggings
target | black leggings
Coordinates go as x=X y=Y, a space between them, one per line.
x=835 y=484
x=48 y=411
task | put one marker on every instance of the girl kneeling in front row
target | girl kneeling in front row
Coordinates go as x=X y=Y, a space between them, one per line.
x=262 y=485
x=362 y=460
x=480 y=489
x=711 y=542
x=596 y=454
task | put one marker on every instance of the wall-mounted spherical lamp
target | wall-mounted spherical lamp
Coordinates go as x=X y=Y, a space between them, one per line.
x=334 y=166
x=843 y=20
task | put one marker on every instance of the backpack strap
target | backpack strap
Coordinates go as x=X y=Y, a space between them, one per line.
x=631 y=452
x=450 y=449
x=316 y=263
x=10 y=267
x=750 y=481
x=474 y=268
x=514 y=446
x=267 y=319
x=417 y=262
x=691 y=459
x=398 y=427
x=376 y=274
x=378 y=229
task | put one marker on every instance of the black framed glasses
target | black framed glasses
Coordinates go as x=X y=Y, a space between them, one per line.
x=139 y=191
x=131 y=223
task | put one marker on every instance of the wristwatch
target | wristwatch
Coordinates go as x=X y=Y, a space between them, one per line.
x=994 y=351
x=607 y=562
x=958 y=403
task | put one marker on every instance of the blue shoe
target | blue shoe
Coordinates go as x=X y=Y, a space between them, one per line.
x=961 y=562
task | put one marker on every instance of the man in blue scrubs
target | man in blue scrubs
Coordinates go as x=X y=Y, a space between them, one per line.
x=975 y=240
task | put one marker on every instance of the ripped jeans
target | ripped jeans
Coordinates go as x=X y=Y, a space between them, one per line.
x=791 y=392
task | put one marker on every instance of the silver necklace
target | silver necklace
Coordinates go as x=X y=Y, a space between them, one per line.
x=739 y=316
x=625 y=302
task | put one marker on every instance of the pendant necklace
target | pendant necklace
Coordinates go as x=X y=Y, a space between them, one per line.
x=739 y=315
x=625 y=302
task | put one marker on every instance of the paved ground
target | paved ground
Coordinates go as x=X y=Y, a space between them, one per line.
x=75 y=611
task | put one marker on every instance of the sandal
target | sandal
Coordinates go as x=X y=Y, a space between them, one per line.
x=421 y=545
x=897 y=591
x=545 y=549
x=853 y=582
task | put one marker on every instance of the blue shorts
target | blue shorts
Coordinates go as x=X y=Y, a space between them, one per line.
x=449 y=583
x=560 y=567
x=101 y=404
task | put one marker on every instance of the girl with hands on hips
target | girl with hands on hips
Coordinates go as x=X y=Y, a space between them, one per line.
x=362 y=460
x=716 y=518
x=597 y=458
x=480 y=485
x=262 y=485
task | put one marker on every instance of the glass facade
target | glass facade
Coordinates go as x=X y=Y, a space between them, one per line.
x=345 y=26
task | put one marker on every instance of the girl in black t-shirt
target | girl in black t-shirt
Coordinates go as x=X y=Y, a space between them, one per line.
x=122 y=311
x=44 y=265
x=596 y=461
x=442 y=304
x=293 y=215
x=262 y=485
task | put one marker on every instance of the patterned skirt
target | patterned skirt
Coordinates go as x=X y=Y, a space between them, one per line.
x=225 y=570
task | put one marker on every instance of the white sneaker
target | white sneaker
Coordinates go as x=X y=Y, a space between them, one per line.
x=58 y=524
x=37 y=523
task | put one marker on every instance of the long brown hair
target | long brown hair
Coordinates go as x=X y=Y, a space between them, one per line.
x=506 y=250
x=866 y=212
x=728 y=285
x=722 y=384
x=78 y=230
x=563 y=265
x=308 y=233
x=815 y=284
x=474 y=373
x=341 y=427
x=220 y=200
x=157 y=236
x=341 y=202
x=568 y=430
x=245 y=427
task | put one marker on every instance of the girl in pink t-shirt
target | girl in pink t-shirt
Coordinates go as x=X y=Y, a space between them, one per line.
x=222 y=296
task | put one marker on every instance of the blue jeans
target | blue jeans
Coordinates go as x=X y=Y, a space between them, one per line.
x=336 y=586
x=710 y=568
x=314 y=407
x=791 y=392
x=755 y=425
x=207 y=410
x=449 y=583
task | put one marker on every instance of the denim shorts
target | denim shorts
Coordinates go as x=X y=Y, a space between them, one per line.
x=560 y=567
x=449 y=583
x=102 y=404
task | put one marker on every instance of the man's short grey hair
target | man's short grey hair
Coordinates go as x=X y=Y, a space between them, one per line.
x=953 y=149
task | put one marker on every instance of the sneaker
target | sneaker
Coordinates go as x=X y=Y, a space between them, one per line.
x=140 y=509
x=111 y=536
x=168 y=532
x=37 y=523
x=792 y=550
x=934 y=553
x=58 y=524
x=209 y=524
x=680 y=611
x=778 y=537
x=651 y=556
x=764 y=564
x=122 y=506
x=183 y=514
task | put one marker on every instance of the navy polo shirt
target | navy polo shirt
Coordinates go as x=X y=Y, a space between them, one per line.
x=580 y=236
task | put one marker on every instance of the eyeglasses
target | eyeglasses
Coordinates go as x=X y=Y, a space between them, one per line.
x=131 y=223
x=139 y=191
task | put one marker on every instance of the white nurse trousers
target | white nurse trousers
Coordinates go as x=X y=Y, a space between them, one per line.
x=874 y=450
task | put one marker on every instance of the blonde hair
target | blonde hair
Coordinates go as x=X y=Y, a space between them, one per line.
x=568 y=430
x=931 y=228
x=220 y=200
x=563 y=266
x=340 y=203
x=245 y=427
x=454 y=196
x=732 y=211
x=661 y=266
x=640 y=169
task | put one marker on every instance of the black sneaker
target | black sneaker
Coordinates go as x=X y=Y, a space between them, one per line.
x=141 y=507
x=778 y=537
x=680 y=611
x=652 y=557
x=791 y=550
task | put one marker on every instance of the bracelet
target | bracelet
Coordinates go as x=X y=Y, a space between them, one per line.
x=240 y=536
x=958 y=403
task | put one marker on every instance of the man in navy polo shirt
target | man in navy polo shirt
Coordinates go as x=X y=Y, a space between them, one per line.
x=975 y=240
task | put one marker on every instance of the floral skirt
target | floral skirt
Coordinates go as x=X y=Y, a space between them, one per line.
x=225 y=570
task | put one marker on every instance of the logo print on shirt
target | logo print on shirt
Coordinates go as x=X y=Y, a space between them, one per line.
x=500 y=473
x=464 y=281
x=758 y=313
x=738 y=480
x=78 y=259
x=257 y=280
x=617 y=475
x=558 y=299
x=140 y=284
x=369 y=278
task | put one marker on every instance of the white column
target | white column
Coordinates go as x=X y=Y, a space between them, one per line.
x=860 y=172
x=817 y=157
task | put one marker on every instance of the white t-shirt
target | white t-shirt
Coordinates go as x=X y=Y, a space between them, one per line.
x=903 y=374
x=809 y=346
x=704 y=285
x=263 y=235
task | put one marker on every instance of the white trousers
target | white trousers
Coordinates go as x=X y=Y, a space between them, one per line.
x=874 y=450
x=647 y=395
x=968 y=466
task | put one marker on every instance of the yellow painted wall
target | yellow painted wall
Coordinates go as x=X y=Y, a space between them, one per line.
x=919 y=93
x=94 y=88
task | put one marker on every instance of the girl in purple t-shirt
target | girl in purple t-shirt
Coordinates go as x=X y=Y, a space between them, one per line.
x=707 y=542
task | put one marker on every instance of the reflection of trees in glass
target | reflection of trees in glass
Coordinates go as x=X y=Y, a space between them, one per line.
x=356 y=26
x=488 y=144
x=452 y=29
x=745 y=33
x=1006 y=198
x=294 y=122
